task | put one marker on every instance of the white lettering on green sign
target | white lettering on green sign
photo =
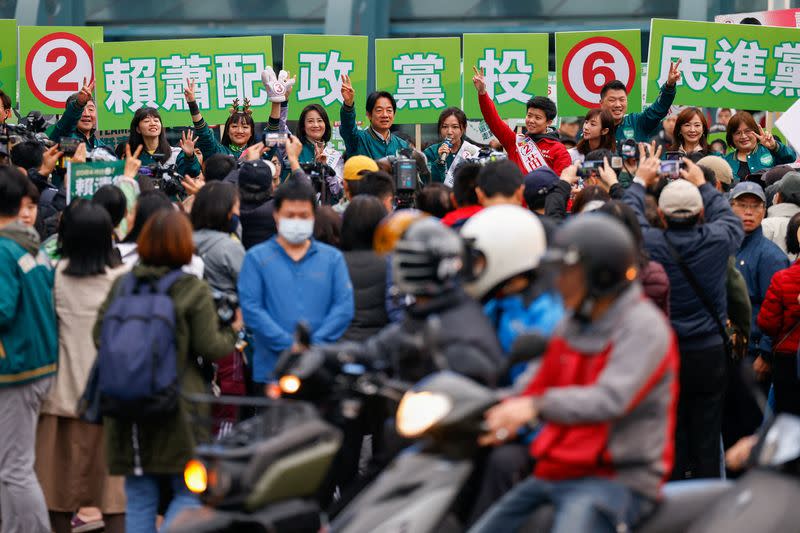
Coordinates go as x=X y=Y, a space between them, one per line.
x=319 y=67
x=419 y=81
x=499 y=70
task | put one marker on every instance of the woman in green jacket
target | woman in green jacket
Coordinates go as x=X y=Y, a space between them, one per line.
x=754 y=149
x=151 y=452
x=441 y=156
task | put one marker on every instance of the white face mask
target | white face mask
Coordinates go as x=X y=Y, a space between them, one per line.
x=296 y=230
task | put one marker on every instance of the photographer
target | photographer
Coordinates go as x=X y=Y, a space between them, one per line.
x=380 y=185
x=5 y=107
x=79 y=119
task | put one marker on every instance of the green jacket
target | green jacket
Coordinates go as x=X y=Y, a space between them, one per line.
x=438 y=170
x=642 y=126
x=167 y=443
x=365 y=142
x=762 y=157
x=209 y=145
x=28 y=330
x=67 y=126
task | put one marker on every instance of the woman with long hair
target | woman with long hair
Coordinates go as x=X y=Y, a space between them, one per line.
x=442 y=156
x=598 y=133
x=148 y=131
x=690 y=134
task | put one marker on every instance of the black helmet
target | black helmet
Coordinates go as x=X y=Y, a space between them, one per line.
x=604 y=248
x=427 y=259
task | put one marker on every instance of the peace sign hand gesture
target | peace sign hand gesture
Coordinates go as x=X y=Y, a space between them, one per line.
x=85 y=93
x=479 y=79
x=766 y=138
x=348 y=93
x=188 y=91
x=675 y=74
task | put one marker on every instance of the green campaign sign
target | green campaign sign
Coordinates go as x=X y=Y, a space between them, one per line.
x=85 y=178
x=515 y=67
x=54 y=61
x=586 y=60
x=424 y=75
x=318 y=62
x=8 y=57
x=131 y=75
x=726 y=65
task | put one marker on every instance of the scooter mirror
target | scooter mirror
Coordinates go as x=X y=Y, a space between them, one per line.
x=527 y=347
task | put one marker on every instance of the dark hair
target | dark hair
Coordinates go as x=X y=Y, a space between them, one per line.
x=683 y=117
x=219 y=165
x=502 y=178
x=613 y=85
x=588 y=194
x=434 y=199
x=792 y=244
x=212 y=206
x=27 y=154
x=136 y=139
x=465 y=180
x=147 y=205
x=166 y=240
x=86 y=239
x=607 y=141
x=600 y=154
x=31 y=191
x=237 y=118
x=359 y=222
x=378 y=184
x=724 y=144
x=373 y=97
x=741 y=117
x=112 y=199
x=301 y=122
x=545 y=104
x=5 y=100
x=750 y=20
x=74 y=98
x=294 y=189
x=13 y=188
x=623 y=212
x=461 y=117
x=328 y=226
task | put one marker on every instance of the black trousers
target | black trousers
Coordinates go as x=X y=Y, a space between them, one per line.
x=505 y=466
x=786 y=384
x=703 y=379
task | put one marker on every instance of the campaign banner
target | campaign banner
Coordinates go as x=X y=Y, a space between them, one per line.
x=54 y=61
x=515 y=68
x=788 y=18
x=131 y=75
x=726 y=65
x=318 y=62
x=423 y=75
x=587 y=60
x=83 y=179
x=8 y=58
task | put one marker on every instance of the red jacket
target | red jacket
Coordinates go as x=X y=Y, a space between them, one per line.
x=780 y=311
x=555 y=153
x=457 y=218
x=607 y=393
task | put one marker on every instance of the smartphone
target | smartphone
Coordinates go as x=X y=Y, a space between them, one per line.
x=274 y=139
x=670 y=169
x=68 y=145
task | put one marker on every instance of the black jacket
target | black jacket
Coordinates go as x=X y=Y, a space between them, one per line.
x=258 y=222
x=368 y=276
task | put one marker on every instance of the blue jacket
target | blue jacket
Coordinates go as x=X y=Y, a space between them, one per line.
x=514 y=315
x=762 y=158
x=705 y=249
x=758 y=259
x=276 y=292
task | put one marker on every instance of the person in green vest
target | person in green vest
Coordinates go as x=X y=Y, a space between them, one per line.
x=148 y=132
x=376 y=141
x=79 y=119
x=452 y=126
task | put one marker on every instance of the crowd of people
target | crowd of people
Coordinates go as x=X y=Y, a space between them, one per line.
x=655 y=283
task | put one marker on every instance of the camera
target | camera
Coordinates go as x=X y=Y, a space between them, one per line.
x=164 y=178
x=628 y=149
x=30 y=128
x=271 y=138
x=406 y=177
x=69 y=145
x=320 y=175
x=226 y=305
x=671 y=168
x=588 y=168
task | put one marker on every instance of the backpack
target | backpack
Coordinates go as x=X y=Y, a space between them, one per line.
x=137 y=374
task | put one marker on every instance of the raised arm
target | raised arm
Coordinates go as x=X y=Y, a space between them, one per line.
x=347 y=117
x=499 y=128
x=206 y=140
x=68 y=122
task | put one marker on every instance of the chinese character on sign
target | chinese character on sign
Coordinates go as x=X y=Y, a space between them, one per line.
x=692 y=53
x=418 y=82
x=741 y=70
x=235 y=75
x=318 y=67
x=143 y=83
x=84 y=186
x=118 y=84
x=177 y=70
x=787 y=73
x=497 y=71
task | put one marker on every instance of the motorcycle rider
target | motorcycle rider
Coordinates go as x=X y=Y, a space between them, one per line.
x=606 y=390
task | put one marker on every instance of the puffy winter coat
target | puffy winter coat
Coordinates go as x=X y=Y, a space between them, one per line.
x=368 y=275
x=780 y=311
x=655 y=283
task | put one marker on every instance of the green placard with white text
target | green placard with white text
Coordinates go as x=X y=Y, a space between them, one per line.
x=131 y=75
x=84 y=179
x=8 y=58
x=726 y=65
x=54 y=61
x=515 y=67
x=318 y=62
x=587 y=60
x=423 y=75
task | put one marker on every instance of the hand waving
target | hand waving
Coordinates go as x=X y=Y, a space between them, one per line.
x=187 y=143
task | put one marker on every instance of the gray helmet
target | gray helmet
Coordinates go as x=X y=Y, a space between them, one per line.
x=428 y=259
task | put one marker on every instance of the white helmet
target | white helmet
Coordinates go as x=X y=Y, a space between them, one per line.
x=509 y=239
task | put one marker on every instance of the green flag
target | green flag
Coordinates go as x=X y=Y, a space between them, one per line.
x=8 y=58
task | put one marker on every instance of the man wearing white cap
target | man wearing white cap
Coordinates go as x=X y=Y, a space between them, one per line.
x=702 y=232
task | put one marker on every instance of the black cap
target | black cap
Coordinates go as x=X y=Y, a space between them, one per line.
x=255 y=176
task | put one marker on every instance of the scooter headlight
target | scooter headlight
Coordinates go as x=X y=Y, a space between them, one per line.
x=419 y=411
x=195 y=476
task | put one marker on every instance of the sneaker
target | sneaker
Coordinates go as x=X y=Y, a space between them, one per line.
x=79 y=526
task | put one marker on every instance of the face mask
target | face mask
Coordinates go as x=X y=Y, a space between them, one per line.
x=296 y=230
x=234 y=224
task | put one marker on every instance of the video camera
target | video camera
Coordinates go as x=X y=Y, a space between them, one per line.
x=628 y=149
x=164 y=178
x=29 y=128
x=319 y=174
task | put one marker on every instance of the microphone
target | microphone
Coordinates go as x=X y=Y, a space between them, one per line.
x=449 y=143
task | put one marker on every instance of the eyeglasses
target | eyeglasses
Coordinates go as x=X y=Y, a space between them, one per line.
x=748 y=206
x=743 y=133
